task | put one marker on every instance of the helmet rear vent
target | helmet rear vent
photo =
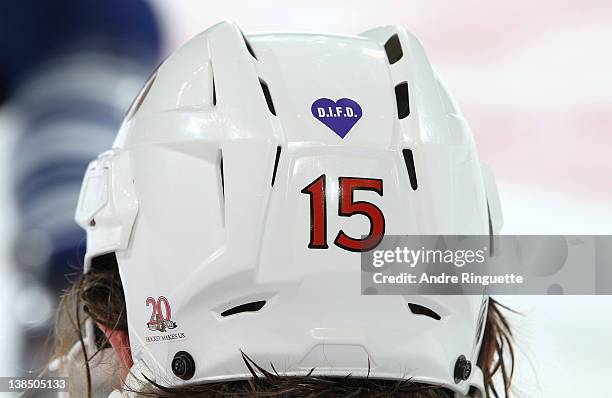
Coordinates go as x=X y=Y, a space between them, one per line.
x=248 y=46
x=221 y=176
x=393 y=48
x=403 y=103
x=214 y=92
x=421 y=310
x=278 y=152
x=266 y=93
x=409 y=160
x=247 y=307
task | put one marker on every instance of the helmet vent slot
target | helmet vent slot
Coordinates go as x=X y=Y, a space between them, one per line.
x=278 y=152
x=403 y=102
x=247 y=307
x=141 y=96
x=214 y=92
x=421 y=310
x=266 y=93
x=409 y=160
x=248 y=46
x=393 y=48
x=221 y=186
x=222 y=177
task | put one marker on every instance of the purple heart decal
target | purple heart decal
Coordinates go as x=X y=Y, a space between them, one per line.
x=340 y=116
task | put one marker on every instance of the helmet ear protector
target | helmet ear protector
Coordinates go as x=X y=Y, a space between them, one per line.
x=238 y=192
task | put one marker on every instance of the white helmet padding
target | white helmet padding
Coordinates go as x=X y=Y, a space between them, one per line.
x=202 y=200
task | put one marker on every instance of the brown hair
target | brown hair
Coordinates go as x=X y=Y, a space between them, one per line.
x=98 y=295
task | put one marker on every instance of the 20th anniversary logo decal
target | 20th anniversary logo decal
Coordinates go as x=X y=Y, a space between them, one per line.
x=161 y=321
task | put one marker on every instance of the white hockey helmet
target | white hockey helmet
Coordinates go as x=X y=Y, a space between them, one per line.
x=238 y=190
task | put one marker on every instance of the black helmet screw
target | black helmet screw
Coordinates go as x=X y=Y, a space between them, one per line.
x=183 y=365
x=463 y=369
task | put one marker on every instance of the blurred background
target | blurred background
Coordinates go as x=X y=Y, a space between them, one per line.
x=532 y=77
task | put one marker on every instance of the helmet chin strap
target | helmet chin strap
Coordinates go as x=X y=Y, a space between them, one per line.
x=104 y=368
x=110 y=368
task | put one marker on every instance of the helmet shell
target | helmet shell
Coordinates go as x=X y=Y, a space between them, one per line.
x=202 y=199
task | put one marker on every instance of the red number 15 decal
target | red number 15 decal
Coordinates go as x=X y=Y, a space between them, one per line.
x=347 y=207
